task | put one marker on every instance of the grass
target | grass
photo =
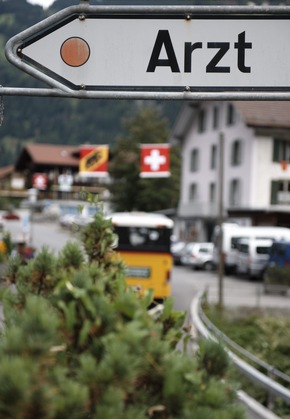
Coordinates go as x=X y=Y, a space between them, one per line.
x=264 y=333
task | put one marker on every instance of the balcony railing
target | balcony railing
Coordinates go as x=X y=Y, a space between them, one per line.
x=198 y=209
x=283 y=198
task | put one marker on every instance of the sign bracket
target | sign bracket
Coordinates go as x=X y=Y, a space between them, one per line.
x=115 y=95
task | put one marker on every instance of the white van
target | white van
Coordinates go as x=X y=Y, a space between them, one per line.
x=253 y=256
x=232 y=233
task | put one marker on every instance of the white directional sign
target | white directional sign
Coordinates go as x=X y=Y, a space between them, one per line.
x=158 y=51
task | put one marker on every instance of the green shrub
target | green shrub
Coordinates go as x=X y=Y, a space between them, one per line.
x=78 y=344
x=277 y=275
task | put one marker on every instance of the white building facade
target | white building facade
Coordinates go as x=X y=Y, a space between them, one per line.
x=256 y=189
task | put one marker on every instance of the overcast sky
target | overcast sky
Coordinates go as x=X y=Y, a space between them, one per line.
x=44 y=3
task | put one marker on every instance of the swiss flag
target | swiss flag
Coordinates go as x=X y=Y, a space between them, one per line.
x=155 y=160
x=39 y=181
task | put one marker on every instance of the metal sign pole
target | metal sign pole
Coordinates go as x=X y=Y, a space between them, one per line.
x=220 y=224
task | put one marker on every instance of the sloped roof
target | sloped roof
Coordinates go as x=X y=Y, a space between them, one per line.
x=6 y=171
x=270 y=114
x=59 y=155
x=48 y=155
x=256 y=114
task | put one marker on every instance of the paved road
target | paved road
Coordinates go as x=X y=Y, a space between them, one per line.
x=238 y=291
x=42 y=234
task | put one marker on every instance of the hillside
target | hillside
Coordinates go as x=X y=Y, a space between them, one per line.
x=59 y=120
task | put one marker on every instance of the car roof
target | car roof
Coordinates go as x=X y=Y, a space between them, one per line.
x=199 y=244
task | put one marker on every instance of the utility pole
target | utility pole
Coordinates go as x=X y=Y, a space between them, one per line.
x=220 y=222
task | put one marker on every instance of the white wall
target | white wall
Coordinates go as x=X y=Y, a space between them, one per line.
x=205 y=175
x=263 y=172
x=255 y=172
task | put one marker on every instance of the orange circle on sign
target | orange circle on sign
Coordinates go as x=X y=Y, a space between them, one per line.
x=75 y=52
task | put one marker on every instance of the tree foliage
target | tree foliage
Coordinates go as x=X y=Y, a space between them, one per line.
x=84 y=346
x=129 y=190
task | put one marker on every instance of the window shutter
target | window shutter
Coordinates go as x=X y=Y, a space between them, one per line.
x=275 y=150
x=274 y=192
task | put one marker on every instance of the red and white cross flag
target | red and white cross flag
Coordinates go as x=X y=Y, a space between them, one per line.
x=155 y=160
x=39 y=181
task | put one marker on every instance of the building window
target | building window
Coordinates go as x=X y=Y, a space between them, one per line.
x=215 y=122
x=230 y=114
x=281 y=150
x=235 y=193
x=212 y=193
x=193 y=192
x=280 y=192
x=213 y=157
x=201 y=122
x=194 y=160
x=236 y=154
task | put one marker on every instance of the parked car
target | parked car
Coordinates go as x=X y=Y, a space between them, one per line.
x=177 y=250
x=198 y=255
x=81 y=221
x=232 y=233
x=66 y=220
x=11 y=215
x=279 y=254
x=253 y=256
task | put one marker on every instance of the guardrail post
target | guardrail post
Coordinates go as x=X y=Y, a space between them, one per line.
x=271 y=397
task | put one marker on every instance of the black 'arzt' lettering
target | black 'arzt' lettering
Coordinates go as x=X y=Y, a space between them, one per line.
x=241 y=46
x=188 y=50
x=163 y=38
x=212 y=65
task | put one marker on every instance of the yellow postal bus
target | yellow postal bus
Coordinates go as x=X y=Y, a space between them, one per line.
x=144 y=245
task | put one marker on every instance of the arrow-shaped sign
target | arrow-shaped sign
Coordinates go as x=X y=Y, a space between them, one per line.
x=137 y=49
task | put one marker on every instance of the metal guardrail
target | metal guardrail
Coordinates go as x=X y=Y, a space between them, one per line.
x=256 y=376
x=253 y=408
x=271 y=370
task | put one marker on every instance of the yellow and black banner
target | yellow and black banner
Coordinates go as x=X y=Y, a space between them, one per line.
x=94 y=160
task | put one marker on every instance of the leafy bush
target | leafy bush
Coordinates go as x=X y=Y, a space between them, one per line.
x=277 y=275
x=79 y=344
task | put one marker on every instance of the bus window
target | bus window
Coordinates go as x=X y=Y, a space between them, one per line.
x=143 y=239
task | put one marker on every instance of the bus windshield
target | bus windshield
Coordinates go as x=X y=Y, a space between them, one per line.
x=146 y=239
